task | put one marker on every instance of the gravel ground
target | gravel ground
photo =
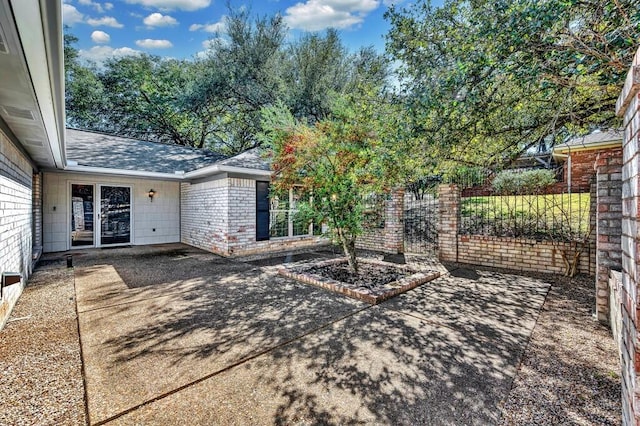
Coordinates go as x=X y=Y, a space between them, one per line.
x=40 y=355
x=570 y=370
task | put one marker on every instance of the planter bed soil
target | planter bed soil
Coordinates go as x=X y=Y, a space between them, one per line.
x=375 y=282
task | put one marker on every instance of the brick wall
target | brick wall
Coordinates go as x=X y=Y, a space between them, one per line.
x=615 y=311
x=16 y=200
x=204 y=215
x=520 y=254
x=220 y=216
x=371 y=239
x=389 y=239
x=608 y=166
x=581 y=170
x=628 y=106
x=37 y=214
x=501 y=252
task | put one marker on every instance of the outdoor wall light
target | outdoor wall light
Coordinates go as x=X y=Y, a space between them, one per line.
x=151 y=194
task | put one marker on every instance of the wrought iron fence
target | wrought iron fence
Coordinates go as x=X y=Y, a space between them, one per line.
x=539 y=208
x=421 y=216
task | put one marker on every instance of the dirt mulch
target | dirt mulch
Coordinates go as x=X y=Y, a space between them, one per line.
x=40 y=363
x=369 y=276
x=570 y=371
x=374 y=282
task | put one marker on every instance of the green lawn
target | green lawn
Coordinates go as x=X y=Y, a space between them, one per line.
x=527 y=215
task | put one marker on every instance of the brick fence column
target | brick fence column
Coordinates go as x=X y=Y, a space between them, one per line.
x=394 y=222
x=608 y=225
x=628 y=106
x=593 y=213
x=449 y=219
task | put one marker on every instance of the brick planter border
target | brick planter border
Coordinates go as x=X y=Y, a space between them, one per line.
x=403 y=285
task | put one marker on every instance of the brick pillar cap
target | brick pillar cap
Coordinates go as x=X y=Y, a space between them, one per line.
x=631 y=85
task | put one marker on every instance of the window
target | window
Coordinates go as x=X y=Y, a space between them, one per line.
x=284 y=220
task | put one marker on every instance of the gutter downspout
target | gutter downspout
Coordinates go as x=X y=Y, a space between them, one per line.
x=568 y=157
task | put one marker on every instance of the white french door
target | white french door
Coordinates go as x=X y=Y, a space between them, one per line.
x=102 y=219
x=115 y=215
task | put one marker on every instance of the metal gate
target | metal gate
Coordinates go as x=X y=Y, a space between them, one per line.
x=421 y=217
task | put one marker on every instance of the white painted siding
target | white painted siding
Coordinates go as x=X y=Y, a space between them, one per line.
x=163 y=214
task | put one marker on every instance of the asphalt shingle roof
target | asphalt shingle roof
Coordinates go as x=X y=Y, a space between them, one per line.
x=253 y=159
x=594 y=138
x=94 y=149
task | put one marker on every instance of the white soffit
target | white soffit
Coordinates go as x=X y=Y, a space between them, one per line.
x=32 y=85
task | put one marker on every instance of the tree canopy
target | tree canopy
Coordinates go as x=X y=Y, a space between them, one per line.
x=486 y=80
x=214 y=101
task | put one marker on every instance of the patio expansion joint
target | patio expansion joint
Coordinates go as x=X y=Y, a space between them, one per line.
x=222 y=370
x=169 y=293
x=82 y=363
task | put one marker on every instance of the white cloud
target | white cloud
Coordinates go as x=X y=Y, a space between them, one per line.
x=97 y=6
x=70 y=15
x=159 y=20
x=189 y=5
x=208 y=44
x=108 y=6
x=217 y=27
x=100 y=54
x=106 y=21
x=315 y=15
x=203 y=54
x=148 y=43
x=100 y=37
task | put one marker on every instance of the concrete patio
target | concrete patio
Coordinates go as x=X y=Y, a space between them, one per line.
x=170 y=333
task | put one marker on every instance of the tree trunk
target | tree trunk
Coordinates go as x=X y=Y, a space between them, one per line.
x=349 y=247
x=571 y=266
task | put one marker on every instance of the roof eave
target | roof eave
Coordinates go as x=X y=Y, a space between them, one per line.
x=123 y=172
x=561 y=150
x=195 y=174
x=218 y=168
x=43 y=51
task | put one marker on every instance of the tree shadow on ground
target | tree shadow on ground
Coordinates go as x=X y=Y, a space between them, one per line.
x=287 y=353
x=445 y=353
x=230 y=312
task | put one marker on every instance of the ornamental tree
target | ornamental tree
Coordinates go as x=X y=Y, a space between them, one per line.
x=337 y=161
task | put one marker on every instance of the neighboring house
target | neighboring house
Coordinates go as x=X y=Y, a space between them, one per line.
x=65 y=189
x=579 y=156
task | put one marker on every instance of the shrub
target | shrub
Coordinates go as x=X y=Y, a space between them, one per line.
x=511 y=182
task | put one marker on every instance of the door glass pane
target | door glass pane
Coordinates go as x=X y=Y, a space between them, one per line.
x=81 y=215
x=115 y=211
